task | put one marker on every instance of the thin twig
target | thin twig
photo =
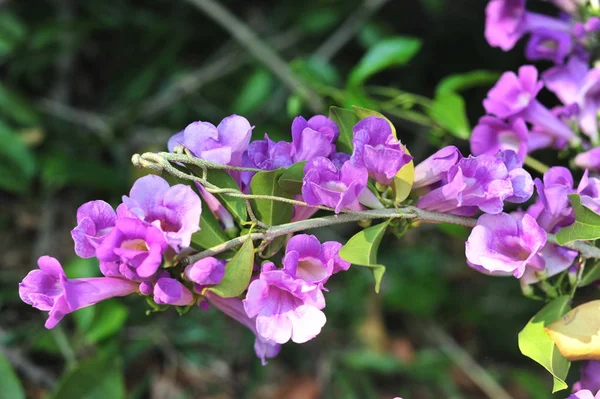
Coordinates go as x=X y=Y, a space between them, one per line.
x=89 y=120
x=261 y=51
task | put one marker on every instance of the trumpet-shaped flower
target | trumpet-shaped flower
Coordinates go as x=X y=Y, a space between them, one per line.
x=95 y=219
x=492 y=135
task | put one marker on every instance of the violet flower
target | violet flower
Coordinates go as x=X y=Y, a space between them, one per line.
x=217 y=209
x=49 y=289
x=95 y=219
x=174 y=210
x=285 y=307
x=339 y=158
x=584 y=394
x=502 y=243
x=514 y=96
x=324 y=184
x=135 y=245
x=207 y=271
x=492 y=135
x=234 y=308
x=269 y=155
x=168 y=291
x=435 y=168
x=589 y=159
x=376 y=149
x=549 y=44
x=313 y=138
x=590 y=377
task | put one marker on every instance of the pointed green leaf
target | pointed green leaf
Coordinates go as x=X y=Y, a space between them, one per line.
x=11 y=386
x=236 y=206
x=291 y=178
x=271 y=212
x=387 y=53
x=237 y=273
x=536 y=344
x=590 y=275
x=586 y=226
x=361 y=250
x=345 y=119
x=211 y=233
x=110 y=316
x=449 y=111
x=464 y=81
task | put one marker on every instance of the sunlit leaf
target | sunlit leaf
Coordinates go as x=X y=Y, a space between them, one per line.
x=577 y=334
x=586 y=226
x=361 y=250
x=237 y=273
x=449 y=111
x=537 y=345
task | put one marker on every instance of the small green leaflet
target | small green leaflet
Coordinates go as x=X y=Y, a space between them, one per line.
x=236 y=206
x=237 y=272
x=586 y=226
x=449 y=111
x=361 y=250
x=291 y=178
x=271 y=212
x=345 y=119
x=210 y=233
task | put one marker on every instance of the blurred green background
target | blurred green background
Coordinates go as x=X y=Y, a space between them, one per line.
x=87 y=84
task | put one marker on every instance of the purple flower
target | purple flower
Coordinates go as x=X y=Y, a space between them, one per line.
x=268 y=155
x=549 y=44
x=50 y=290
x=556 y=259
x=339 y=158
x=492 y=135
x=207 y=271
x=575 y=83
x=234 y=308
x=223 y=144
x=95 y=219
x=285 y=307
x=376 y=149
x=324 y=184
x=168 y=291
x=590 y=377
x=174 y=210
x=435 y=168
x=217 y=209
x=307 y=259
x=520 y=179
x=482 y=182
x=515 y=97
x=136 y=246
x=554 y=189
x=584 y=394
x=313 y=138
x=589 y=159
x=505 y=244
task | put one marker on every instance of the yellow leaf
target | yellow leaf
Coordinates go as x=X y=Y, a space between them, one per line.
x=577 y=334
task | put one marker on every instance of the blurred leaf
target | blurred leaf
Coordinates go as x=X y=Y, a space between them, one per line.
x=110 y=318
x=17 y=164
x=361 y=250
x=84 y=318
x=211 y=233
x=291 y=178
x=236 y=206
x=316 y=20
x=530 y=382
x=316 y=70
x=12 y=31
x=590 y=275
x=371 y=33
x=449 y=111
x=537 y=345
x=464 y=81
x=99 y=377
x=455 y=230
x=294 y=105
x=81 y=268
x=270 y=212
x=60 y=169
x=10 y=385
x=577 y=334
x=385 y=54
x=434 y=7
x=237 y=273
x=255 y=92
x=345 y=119
x=17 y=108
x=586 y=226
x=373 y=361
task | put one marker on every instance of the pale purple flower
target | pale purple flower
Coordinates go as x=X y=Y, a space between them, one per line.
x=324 y=184
x=554 y=189
x=514 y=96
x=584 y=394
x=174 y=210
x=492 y=135
x=540 y=137
x=234 y=308
x=589 y=159
x=505 y=244
x=307 y=259
x=49 y=289
x=556 y=259
x=168 y=291
x=549 y=44
x=435 y=168
x=285 y=307
x=483 y=182
x=137 y=248
x=268 y=155
x=217 y=209
x=520 y=179
x=95 y=219
x=207 y=271
x=313 y=138
x=575 y=83
x=590 y=377
x=376 y=149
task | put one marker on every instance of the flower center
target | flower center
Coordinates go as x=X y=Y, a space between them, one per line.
x=137 y=245
x=336 y=186
x=311 y=269
x=523 y=99
x=509 y=141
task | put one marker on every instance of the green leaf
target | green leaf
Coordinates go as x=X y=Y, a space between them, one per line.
x=385 y=54
x=237 y=273
x=291 y=178
x=345 y=119
x=236 y=206
x=11 y=386
x=316 y=71
x=590 y=275
x=60 y=169
x=464 y=81
x=16 y=107
x=536 y=344
x=96 y=378
x=110 y=318
x=361 y=250
x=256 y=91
x=268 y=211
x=211 y=233
x=294 y=105
x=586 y=226
x=449 y=111
x=17 y=164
